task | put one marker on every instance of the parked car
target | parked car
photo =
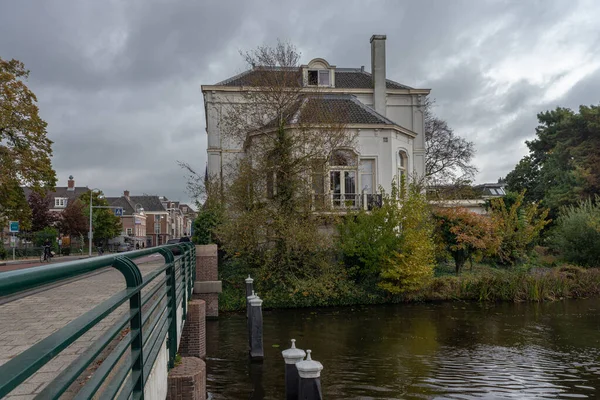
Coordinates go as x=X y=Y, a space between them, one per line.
x=124 y=247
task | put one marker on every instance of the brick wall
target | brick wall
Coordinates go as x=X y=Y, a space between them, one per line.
x=212 y=303
x=193 y=338
x=187 y=381
x=207 y=263
x=206 y=271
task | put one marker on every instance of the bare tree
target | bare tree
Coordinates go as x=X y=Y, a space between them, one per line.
x=447 y=156
x=287 y=133
x=284 y=130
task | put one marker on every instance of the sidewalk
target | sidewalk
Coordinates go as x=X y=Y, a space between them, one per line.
x=31 y=260
x=28 y=320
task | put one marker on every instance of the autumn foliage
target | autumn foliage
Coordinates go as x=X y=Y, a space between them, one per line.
x=464 y=234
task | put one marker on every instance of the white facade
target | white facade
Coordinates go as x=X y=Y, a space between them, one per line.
x=389 y=149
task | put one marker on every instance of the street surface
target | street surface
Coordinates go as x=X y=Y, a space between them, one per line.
x=27 y=320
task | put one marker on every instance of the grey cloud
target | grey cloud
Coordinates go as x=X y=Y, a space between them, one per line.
x=119 y=81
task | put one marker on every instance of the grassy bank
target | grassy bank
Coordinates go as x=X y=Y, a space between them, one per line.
x=485 y=284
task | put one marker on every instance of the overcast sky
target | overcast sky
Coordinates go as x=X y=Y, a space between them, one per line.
x=118 y=81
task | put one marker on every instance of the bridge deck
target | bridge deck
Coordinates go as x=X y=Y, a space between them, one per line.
x=26 y=321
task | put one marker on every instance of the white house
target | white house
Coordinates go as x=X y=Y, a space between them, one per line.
x=386 y=116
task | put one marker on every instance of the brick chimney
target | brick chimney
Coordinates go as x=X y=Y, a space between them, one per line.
x=378 y=72
x=126 y=194
x=71 y=183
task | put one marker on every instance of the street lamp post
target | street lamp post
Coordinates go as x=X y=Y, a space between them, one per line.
x=135 y=233
x=90 y=233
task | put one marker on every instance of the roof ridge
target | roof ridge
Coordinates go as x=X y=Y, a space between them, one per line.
x=226 y=81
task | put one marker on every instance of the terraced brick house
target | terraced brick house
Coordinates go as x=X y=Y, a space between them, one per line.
x=386 y=117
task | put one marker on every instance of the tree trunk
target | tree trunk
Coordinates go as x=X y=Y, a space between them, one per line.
x=459 y=259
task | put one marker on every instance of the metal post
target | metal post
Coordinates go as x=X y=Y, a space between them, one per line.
x=310 y=379
x=90 y=233
x=249 y=285
x=249 y=292
x=14 y=244
x=248 y=319
x=256 y=329
x=291 y=357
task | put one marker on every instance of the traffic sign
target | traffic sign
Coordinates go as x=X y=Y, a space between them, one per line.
x=13 y=226
x=118 y=212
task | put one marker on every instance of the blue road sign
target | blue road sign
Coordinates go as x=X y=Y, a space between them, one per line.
x=13 y=226
x=118 y=212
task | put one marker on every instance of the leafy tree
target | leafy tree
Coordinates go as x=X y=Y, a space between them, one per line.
x=448 y=156
x=73 y=220
x=286 y=135
x=48 y=233
x=41 y=216
x=104 y=223
x=465 y=234
x=25 y=150
x=577 y=233
x=518 y=225
x=391 y=244
x=205 y=224
x=563 y=164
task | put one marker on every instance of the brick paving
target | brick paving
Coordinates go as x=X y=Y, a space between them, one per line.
x=28 y=320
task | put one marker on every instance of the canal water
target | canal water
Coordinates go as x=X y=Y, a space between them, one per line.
x=419 y=351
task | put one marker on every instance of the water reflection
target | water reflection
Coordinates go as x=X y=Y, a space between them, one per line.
x=427 y=351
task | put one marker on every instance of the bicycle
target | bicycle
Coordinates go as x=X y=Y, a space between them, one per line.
x=46 y=254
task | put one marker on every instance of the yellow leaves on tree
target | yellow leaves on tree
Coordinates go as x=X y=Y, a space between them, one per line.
x=410 y=266
x=517 y=226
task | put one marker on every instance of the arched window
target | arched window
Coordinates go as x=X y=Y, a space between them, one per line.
x=343 y=178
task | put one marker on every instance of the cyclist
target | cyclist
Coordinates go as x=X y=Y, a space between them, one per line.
x=47 y=254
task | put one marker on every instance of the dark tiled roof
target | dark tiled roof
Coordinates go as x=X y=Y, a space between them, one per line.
x=61 y=192
x=265 y=77
x=345 y=78
x=121 y=202
x=332 y=109
x=150 y=203
x=361 y=80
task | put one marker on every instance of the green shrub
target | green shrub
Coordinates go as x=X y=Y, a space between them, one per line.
x=3 y=253
x=390 y=246
x=577 y=233
x=205 y=224
x=47 y=233
x=518 y=225
x=65 y=251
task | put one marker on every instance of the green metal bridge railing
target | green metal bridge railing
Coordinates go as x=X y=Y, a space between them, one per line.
x=151 y=318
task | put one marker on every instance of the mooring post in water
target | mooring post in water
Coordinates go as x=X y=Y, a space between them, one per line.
x=256 y=329
x=309 y=371
x=291 y=357
x=249 y=288
x=248 y=317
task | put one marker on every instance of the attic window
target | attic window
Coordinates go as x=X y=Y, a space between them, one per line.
x=60 y=202
x=318 y=78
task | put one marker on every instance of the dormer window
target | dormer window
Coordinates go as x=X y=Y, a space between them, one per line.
x=318 y=78
x=60 y=202
x=318 y=72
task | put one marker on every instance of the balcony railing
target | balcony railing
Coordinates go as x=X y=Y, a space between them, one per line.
x=344 y=202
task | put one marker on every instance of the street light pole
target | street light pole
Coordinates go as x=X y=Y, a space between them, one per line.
x=90 y=233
